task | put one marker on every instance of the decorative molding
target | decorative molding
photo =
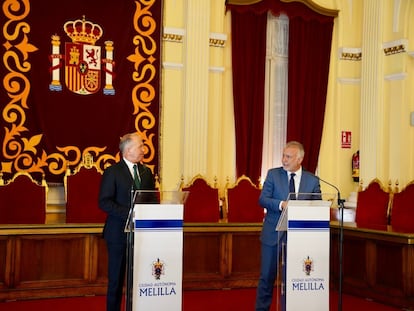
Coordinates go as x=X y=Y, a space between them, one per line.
x=217 y=39
x=354 y=54
x=173 y=34
x=216 y=69
x=396 y=76
x=168 y=65
x=354 y=81
x=177 y=35
x=395 y=47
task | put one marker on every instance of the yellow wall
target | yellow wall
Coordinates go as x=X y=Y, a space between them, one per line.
x=371 y=96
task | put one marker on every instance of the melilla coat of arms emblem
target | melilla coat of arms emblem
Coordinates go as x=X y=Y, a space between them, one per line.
x=83 y=60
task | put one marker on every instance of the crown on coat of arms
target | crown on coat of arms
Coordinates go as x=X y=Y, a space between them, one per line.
x=83 y=31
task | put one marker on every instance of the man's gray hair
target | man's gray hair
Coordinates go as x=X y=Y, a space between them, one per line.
x=126 y=140
x=298 y=145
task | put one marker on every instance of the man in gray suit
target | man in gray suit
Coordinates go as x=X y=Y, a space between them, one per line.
x=274 y=198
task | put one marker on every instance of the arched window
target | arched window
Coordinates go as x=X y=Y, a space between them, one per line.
x=276 y=90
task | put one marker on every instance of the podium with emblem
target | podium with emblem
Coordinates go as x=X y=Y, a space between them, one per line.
x=155 y=250
x=303 y=265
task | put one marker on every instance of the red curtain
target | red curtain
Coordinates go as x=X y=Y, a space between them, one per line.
x=310 y=36
x=309 y=55
x=44 y=124
x=248 y=56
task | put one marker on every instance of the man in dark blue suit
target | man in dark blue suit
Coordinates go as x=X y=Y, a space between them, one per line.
x=115 y=199
x=274 y=198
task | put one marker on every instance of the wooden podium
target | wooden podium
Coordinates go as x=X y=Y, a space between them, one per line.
x=305 y=260
x=154 y=271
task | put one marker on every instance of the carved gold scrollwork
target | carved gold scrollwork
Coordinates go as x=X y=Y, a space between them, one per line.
x=143 y=94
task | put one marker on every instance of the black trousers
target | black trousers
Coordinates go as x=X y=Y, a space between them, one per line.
x=116 y=275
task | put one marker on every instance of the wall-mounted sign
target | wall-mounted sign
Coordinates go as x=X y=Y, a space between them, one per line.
x=346 y=137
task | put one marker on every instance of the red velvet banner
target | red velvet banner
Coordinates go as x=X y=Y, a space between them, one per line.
x=76 y=76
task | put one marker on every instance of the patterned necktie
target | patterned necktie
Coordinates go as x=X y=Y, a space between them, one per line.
x=292 y=186
x=137 y=182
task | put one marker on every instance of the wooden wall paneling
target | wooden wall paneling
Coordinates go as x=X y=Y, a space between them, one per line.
x=370 y=262
x=57 y=259
x=354 y=259
x=101 y=260
x=235 y=256
x=94 y=258
x=3 y=259
x=389 y=281
x=226 y=254
x=202 y=259
x=378 y=264
x=334 y=261
x=5 y=262
x=52 y=261
x=246 y=258
x=10 y=278
x=42 y=261
x=408 y=270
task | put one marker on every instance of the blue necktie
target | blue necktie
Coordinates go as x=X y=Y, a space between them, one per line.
x=137 y=182
x=292 y=186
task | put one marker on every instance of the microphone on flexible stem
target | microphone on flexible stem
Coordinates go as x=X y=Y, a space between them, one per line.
x=340 y=201
x=341 y=238
x=128 y=225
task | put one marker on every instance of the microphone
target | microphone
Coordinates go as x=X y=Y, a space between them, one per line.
x=340 y=201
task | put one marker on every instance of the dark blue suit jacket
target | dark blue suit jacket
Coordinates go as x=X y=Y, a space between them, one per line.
x=276 y=189
x=115 y=197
